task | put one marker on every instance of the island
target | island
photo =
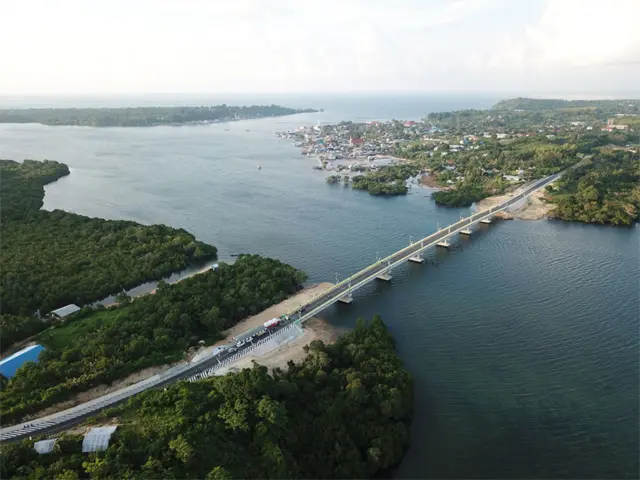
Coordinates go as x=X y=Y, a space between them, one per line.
x=342 y=412
x=469 y=156
x=144 y=116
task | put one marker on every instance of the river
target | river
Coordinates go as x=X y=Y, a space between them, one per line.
x=523 y=341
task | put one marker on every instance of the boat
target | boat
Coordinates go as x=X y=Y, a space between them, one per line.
x=259 y=167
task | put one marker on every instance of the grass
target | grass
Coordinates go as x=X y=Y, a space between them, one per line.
x=77 y=329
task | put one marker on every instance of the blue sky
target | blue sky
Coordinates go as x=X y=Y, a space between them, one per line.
x=561 y=47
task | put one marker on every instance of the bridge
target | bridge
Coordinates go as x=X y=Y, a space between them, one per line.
x=341 y=292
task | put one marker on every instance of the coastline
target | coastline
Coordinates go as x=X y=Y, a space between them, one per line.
x=535 y=208
x=315 y=329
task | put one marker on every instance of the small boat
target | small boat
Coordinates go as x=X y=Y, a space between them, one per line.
x=259 y=167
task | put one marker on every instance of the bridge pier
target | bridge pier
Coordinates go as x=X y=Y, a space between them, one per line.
x=444 y=244
x=346 y=299
x=417 y=258
x=386 y=276
x=486 y=221
x=466 y=231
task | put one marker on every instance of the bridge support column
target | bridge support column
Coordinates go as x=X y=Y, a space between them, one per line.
x=444 y=244
x=417 y=258
x=466 y=231
x=486 y=220
x=346 y=299
x=386 y=276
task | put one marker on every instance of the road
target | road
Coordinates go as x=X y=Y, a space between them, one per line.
x=75 y=415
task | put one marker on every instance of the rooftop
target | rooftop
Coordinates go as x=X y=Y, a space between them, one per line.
x=66 y=310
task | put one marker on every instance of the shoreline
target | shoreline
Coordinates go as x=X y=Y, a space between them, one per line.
x=317 y=329
x=534 y=208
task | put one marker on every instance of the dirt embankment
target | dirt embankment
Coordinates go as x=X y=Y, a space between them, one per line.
x=534 y=207
x=286 y=306
x=314 y=329
x=279 y=355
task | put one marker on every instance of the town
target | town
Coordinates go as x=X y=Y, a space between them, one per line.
x=468 y=155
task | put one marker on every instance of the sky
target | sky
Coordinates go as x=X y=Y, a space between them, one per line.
x=528 y=47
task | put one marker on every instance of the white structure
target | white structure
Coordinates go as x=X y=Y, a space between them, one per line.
x=44 y=446
x=65 y=311
x=97 y=439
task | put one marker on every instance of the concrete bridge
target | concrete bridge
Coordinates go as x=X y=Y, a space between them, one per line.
x=341 y=292
x=383 y=268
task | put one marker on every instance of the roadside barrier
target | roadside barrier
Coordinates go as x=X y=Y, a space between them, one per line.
x=227 y=361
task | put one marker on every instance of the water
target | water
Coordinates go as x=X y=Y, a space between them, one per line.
x=523 y=342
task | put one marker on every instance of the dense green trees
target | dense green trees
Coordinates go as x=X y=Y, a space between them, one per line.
x=50 y=259
x=15 y=328
x=342 y=413
x=463 y=196
x=22 y=186
x=142 y=116
x=606 y=190
x=100 y=346
x=388 y=180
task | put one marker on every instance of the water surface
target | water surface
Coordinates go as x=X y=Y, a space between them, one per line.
x=523 y=341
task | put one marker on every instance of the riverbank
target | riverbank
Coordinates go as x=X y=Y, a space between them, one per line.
x=281 y=308
x=535 y=206
x=292 y=350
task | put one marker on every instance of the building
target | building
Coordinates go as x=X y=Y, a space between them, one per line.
x=355 y=141
x=65 y=311
x=9 y=365
x=97 y=438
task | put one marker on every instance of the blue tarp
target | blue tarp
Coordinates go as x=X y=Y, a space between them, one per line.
x=9 y=365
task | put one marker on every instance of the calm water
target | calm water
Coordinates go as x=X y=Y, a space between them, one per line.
x=523 y=341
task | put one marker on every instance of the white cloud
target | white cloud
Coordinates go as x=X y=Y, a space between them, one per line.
x=111 y=46
x=575 y=33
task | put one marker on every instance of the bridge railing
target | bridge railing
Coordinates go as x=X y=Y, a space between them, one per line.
x=452 y=227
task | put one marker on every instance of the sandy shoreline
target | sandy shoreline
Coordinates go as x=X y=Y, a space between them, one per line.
x=293 y=350
x=314 y=329
x=534 y=207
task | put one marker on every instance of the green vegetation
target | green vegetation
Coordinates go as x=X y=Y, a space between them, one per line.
x=480 y=172
x=15 y=329
x=22 y=186
x=333 y=179
x=463 y=196
x=142 y=116
x=388 y=180
x=531 y=115
x=606 y=190
x=51 y=259
x=98 y=347
x=342 y=413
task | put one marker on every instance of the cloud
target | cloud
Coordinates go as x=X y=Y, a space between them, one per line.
x=574 y=34
x=114 y=46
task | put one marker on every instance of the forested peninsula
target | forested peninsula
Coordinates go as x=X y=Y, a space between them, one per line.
x=51 y=259
x=144 y=116
x=97 y=346
x=343 y=412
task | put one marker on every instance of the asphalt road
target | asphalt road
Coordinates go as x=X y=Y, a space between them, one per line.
x=75 y=415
